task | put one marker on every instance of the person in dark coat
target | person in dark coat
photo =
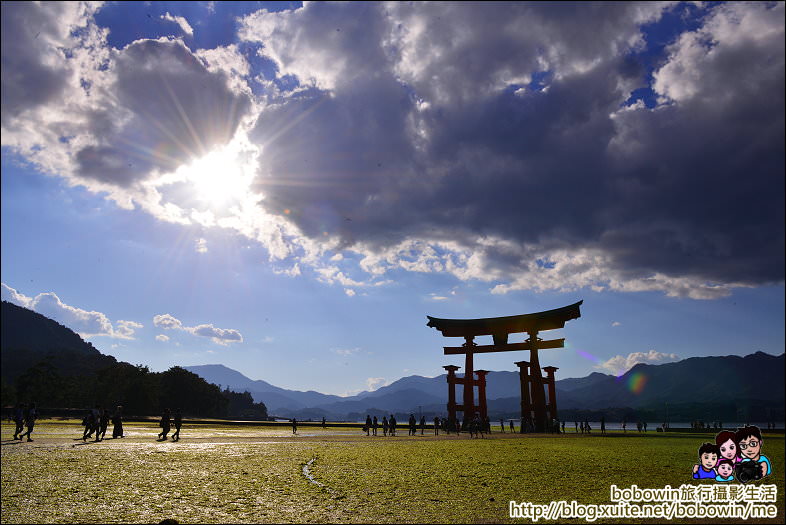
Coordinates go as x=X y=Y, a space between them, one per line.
x=178 y=423
x=19 y=419
x=117 y=422
x=165 y=425
x=103 y=424
x=30 y=416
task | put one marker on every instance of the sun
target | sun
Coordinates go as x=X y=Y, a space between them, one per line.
x=221 y=177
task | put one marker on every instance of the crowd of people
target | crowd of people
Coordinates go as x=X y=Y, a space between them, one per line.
x=96 y=423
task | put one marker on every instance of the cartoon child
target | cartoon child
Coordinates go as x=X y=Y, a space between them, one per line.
x=727 y=446
x=748 y=440
x=708 y=457
x=725 y=470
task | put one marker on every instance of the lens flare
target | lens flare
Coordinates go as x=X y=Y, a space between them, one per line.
x=587 y=356
x=636 y=382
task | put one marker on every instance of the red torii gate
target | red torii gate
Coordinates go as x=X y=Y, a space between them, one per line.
x=533 y=397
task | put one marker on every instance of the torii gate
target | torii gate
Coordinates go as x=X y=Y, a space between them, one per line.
x=533 y=397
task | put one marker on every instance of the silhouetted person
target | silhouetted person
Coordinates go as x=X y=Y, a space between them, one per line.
x=392 y=423
x=512 y=428
x=422 y=424
x=178 y=424
x=602 y=425
x=644 y=424
x=294 y=425
x=164 y=424
x=412 y=425
x=436 y=425
x=374 y=425
x=96 y=421
x=117 y=422
x=476 y=426
x=30 y=416
x=368 y=424
x=385 y=425
x=323 y=422
x=502 y=425
x=563 y=426
x=19 y=419
x=104 y=423
x=88 y=423
x=577 y=427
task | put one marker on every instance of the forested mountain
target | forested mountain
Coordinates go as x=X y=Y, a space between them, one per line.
x=47 y=363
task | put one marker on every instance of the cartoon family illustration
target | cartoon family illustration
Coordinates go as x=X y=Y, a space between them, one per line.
x=733 y=456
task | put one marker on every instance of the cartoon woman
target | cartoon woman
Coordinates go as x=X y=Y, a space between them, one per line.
x=727 y=447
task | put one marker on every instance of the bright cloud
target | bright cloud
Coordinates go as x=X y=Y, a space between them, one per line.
x=346 y=351
x=222 y=336
x=373 y=383
x=163 y=338
x=620 y=364
x=180 y=21
x=85 y=323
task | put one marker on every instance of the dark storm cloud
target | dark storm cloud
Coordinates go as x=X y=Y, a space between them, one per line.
x=27 y=80
x=692 y=190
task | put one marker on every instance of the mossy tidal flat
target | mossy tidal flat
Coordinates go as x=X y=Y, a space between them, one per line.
x=222 y=474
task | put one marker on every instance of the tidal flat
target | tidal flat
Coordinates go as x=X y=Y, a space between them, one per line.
x=252 y=474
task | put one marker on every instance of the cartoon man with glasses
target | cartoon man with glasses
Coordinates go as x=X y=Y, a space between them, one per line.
x=748 y=440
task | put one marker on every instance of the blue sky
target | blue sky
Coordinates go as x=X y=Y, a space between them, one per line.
x=290 y=190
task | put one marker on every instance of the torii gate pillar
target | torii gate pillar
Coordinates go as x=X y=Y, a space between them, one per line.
x=451 y=391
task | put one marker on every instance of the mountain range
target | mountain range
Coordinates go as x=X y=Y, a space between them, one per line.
x=731 y=383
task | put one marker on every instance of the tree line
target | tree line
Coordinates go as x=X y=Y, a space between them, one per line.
x=140 y=391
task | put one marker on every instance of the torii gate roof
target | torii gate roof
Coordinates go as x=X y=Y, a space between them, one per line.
x=538 y=321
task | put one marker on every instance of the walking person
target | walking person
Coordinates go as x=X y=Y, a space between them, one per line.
x=512 y=428
x=367 y=426
x=374 y=425
x=178 y=424
x=294 y=425
x=30 y=416
x=602 y=426
x=577 y=427
x=103 y=424
x=165 y=425
x=422 y=424
x=19 y=419
x=95 y=419
x=392 y=423
x=385 y=426
x=87 y=422
x=117 y=422
x=323 y=422
x=412 y=425
x=436 y=425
